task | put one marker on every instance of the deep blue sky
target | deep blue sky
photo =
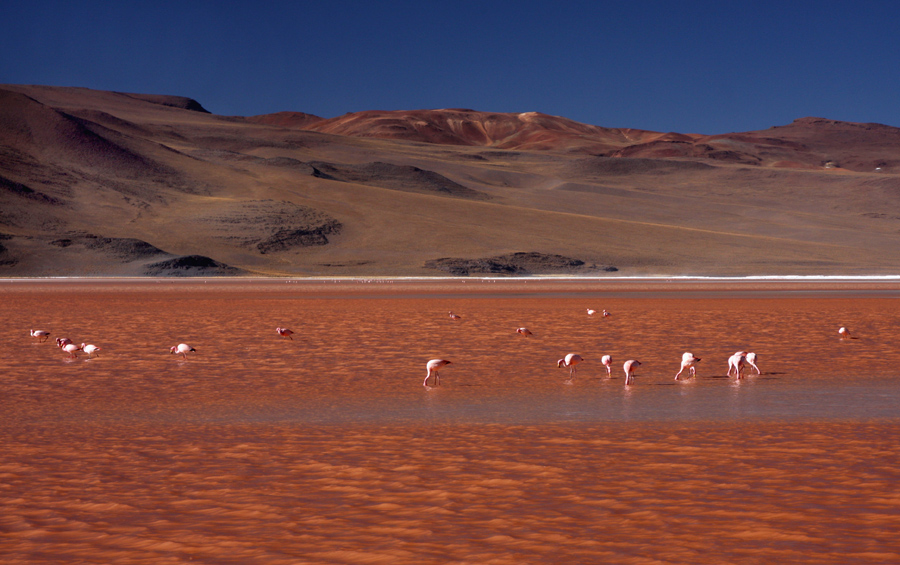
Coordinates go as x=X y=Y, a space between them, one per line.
x=680 y=65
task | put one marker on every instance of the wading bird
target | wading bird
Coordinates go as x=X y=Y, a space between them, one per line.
x=607 y=362
x=71 y=348
x=454 y=316
x=62 y=341
x=432 y=368
x=524 y=331
x=284 y=332
x=182 y=348
x=570 y=361
x=591 y=312
x=90 y=350
x=845 y=333
x=629 y=370
x=736 y=363
x=687 y=362
x=41 y=335
x=606 y=314
x=751 y=359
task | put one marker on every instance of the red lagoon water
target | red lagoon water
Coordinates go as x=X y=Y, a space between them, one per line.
x=328 y=449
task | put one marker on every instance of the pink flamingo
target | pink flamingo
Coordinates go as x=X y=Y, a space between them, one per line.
x=454 y=316
x=687 y=362
x=524 y=331
x=41 y=335
x=629 y=370
x=736 y=363
x=845 y=333
x=62 y=341
x=607 y=362
x=183 y=349
x=432 y=368
x=570 y=361
x=71 y=348
x=284 y=332
x=751 y=359
x=606 y=314
x=591 y=312
x=90 y=350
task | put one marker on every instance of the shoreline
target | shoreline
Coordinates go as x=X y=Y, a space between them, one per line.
x=473 y=285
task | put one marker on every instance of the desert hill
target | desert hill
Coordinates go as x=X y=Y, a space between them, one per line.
x=107 y=183
x=806 y=143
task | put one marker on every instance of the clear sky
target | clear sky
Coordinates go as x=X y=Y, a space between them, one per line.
x=680 y=65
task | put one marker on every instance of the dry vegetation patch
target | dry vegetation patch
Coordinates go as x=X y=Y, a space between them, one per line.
x=271 y=226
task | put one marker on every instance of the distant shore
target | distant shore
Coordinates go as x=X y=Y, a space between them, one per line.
x=473 y=285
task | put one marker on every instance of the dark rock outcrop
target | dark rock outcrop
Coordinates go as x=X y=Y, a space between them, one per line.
x=521 y=263
x=191 y=266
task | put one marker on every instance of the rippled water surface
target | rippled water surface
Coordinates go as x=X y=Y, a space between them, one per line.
x=328 y=449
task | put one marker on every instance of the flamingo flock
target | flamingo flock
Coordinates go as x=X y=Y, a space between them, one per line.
x=736 y=362
x=689 y=361
x=71 y=349
x=66 y=345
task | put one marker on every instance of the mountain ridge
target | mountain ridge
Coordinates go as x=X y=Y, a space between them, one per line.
x=411 y=192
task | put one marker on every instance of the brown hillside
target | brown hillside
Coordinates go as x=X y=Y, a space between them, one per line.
x=105 y=183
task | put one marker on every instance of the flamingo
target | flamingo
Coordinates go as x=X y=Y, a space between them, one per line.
x=736 y=362
x=687 y=362
x=432 y=368
x=629 y=370
x=591 y=312
x=845 y=333
x=606 y=314
x=90 y=349
x=41 y=335
x=71 y=348
x=571 y=361
x=454 y=316
x=284 y=332
x=62 y=341
x=751 y=359
x=182 y=348
x=524 y=331
x=607 y=362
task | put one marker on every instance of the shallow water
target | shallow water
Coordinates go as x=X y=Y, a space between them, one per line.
x=328 y=449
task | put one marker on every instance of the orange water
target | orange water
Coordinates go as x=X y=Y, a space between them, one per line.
x=328 y=449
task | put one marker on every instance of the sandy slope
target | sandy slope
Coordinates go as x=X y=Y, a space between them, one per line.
x=83 y=174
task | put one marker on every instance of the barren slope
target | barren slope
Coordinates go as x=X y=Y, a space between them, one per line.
x=119 y=175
